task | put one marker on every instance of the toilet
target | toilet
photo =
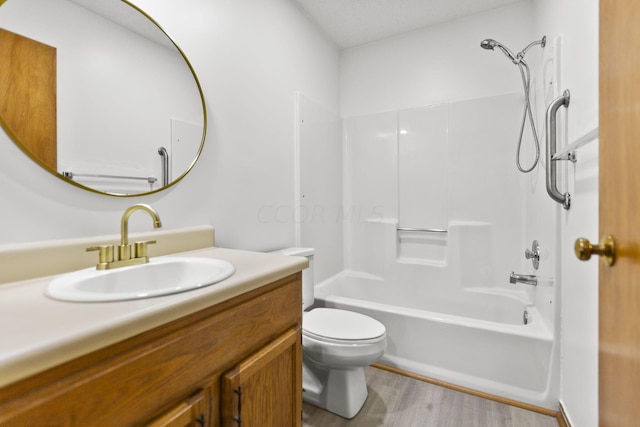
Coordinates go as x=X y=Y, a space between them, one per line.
x=336 y=346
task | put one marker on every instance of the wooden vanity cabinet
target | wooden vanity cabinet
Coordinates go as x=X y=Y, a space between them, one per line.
x=238 y=363
x=190 y=412
x=258 y=392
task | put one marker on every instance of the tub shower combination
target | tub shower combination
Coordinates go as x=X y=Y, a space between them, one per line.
x=435 y=259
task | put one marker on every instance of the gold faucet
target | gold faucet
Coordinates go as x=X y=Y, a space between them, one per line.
x=125 y=256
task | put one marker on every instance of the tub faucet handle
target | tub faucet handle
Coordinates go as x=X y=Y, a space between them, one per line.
x=533 y=254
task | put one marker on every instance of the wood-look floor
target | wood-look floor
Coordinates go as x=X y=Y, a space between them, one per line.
x=398 y=401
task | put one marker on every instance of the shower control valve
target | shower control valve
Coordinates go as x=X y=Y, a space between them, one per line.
x=533 y=254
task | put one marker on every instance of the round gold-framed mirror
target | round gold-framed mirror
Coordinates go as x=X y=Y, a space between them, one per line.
x=98 y=94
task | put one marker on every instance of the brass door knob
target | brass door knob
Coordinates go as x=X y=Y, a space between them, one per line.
x=605 y=249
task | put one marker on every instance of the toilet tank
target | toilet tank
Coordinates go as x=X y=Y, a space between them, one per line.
x=307 y=274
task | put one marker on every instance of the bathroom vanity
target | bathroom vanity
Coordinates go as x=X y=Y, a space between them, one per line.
x=224 y=355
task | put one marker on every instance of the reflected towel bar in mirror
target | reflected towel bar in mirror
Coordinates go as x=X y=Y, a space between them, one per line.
x=150 y=179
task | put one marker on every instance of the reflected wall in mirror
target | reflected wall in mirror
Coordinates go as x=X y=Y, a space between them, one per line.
x=119 y=105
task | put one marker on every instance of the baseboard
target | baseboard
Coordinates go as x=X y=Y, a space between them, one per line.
x=499 y=399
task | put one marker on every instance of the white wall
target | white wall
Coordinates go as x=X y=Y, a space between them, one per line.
x=436 y=64
x=576 y=21
x=251 y=57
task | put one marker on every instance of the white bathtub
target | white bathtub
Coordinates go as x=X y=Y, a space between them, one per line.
x=471 y=338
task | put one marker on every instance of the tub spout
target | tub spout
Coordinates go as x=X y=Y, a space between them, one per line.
x=523 y=278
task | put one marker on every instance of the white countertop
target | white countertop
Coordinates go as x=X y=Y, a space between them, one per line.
x=37 y=333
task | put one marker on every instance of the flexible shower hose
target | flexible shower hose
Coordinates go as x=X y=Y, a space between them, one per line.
x=524 y=72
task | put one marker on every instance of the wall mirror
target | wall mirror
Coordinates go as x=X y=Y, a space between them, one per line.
x=98 y=94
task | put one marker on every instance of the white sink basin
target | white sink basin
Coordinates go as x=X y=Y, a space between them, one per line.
x=161 y=276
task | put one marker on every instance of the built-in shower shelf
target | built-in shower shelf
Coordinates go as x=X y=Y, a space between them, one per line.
x=421 y=245
x=569 y=152
x=423 y=230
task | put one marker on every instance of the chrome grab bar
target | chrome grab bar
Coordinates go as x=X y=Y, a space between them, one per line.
x=165 y=165
x=423 y=230
x=552 y=189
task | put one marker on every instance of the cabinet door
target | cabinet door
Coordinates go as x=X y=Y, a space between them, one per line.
x=265 y=390
x=189 y=413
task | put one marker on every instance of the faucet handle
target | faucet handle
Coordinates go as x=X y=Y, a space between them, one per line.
x=124 y=252
x=533 y=254
x=141 y=248
x=105 y=255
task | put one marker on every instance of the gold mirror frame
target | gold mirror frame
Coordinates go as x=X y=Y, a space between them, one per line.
x=58 y=175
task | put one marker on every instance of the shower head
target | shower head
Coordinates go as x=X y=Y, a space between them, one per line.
x=488 y=44
x=491 y=44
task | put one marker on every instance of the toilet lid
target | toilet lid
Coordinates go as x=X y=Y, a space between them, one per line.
x=341 y=324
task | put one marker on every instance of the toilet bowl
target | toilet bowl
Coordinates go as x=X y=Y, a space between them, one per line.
x=336 y=346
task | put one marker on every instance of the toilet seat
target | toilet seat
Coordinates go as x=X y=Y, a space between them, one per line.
x=342 y=338
x=334 y=325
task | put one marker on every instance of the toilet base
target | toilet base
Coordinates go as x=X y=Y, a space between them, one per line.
x=342 y=391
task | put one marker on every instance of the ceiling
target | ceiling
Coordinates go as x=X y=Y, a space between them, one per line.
x=353 y=22
x=128 y=17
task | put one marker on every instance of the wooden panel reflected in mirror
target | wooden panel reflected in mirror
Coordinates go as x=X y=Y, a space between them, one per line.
x=28 y=95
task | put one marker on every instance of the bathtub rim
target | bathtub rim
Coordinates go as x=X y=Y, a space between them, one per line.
x=534 y=329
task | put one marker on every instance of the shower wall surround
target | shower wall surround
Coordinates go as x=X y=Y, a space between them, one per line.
x=448 y=166
x=443 y=166
x=422 y=167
